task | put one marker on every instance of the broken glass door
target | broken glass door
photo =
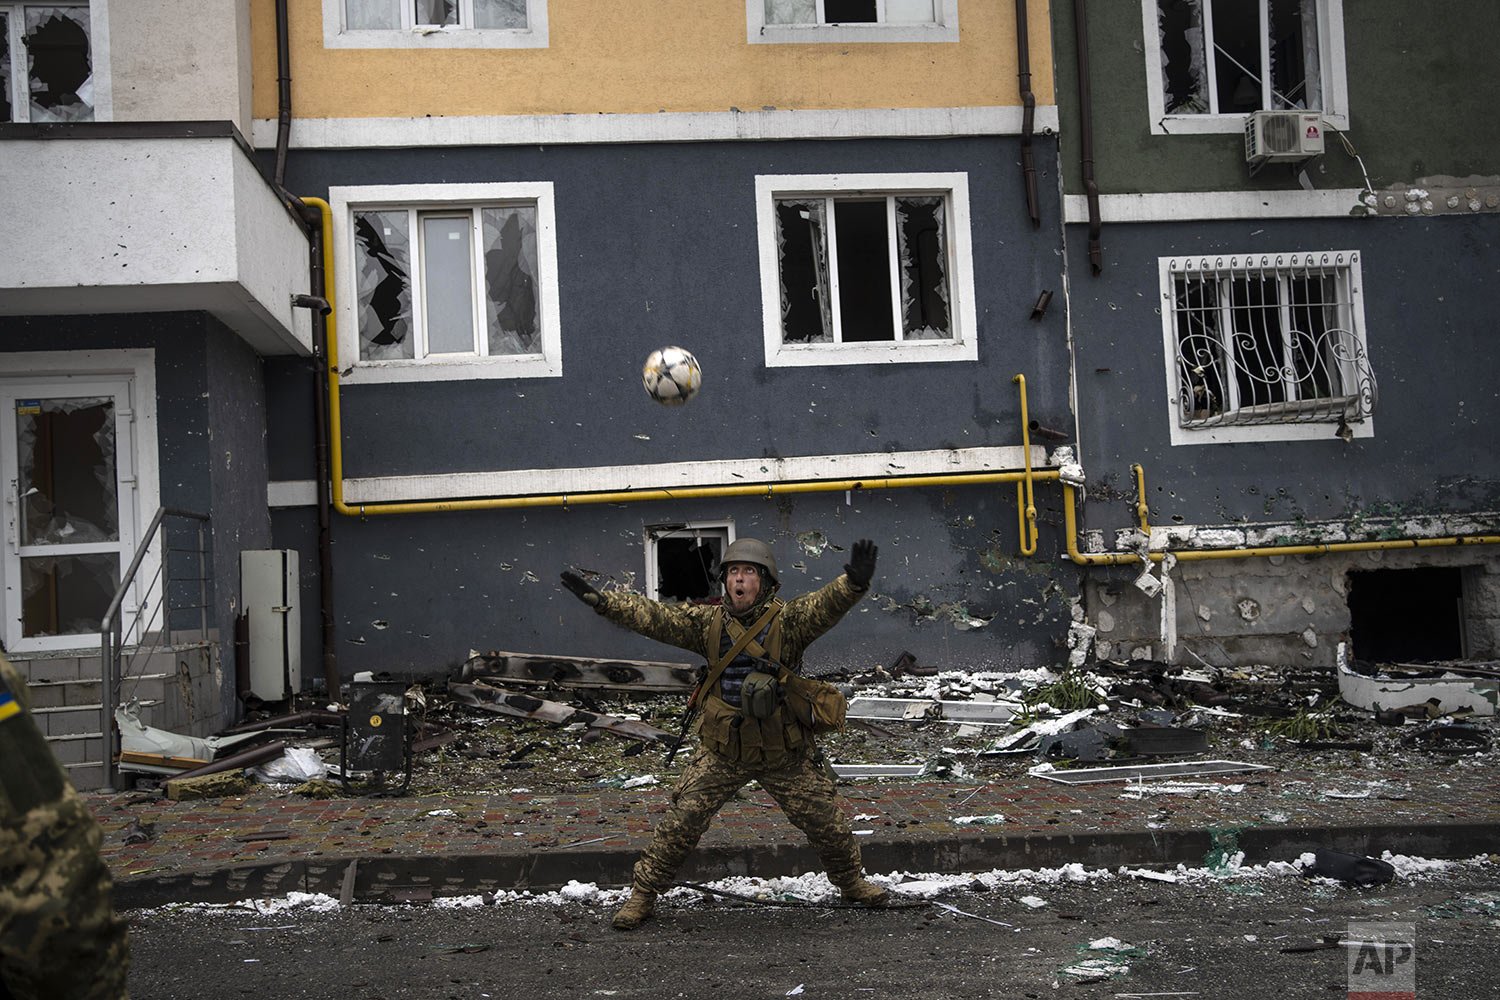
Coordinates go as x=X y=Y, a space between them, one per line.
x=69 y=511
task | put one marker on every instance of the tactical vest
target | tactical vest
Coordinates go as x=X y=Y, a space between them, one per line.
x=773 y=741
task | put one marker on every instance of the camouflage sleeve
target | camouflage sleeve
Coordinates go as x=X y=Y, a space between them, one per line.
x=59 y=934
x=810 y=615
x=683 y=626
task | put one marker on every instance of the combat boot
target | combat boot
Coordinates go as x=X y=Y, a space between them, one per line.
x=865 y=892
x=636 y=911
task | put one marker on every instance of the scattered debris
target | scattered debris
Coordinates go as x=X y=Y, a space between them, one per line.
x=1394 y=688
x=1139 y=772
x=1162 y=741
x=1352 y=868
x=981 y=713
x=493 y=699
x=582 y=672
x=296 y=765
x=208 y=786
x=1453 y=736
x=992 y=819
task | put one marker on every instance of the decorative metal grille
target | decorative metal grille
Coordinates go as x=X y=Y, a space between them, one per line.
x=1269 y=339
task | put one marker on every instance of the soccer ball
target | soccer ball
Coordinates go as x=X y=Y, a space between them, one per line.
x=672 y=376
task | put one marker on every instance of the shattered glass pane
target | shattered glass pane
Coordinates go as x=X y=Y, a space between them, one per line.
x=365 y=15
x=60 y=74
x=436 y=12
x=864 y=270
x=5 y=110
x=1184 y=73
x=924 y=281
x=67 y=595
x=909 y=12
x=67 y=488
x=512 y=301
x=447 y=283
x=806 y=310
x=849 y=11
x=1296 y=74
x=383 y=258
x=791 y=12
x=500 y=13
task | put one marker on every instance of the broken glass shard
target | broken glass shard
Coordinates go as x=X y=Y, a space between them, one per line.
x=383 y=258
x=436 y=12
x=60 y=73
x=803 y=252
x=920 y=243
x=512 y=302
x=1184 y=71
x=500 y=14
x=67 y=595
x=67 y=488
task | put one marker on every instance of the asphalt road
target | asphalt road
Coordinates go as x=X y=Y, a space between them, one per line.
x=1220 y=938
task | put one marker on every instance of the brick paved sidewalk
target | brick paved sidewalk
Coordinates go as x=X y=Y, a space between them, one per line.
x=542 y=839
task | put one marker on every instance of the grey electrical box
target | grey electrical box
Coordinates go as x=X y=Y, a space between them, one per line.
x=268 y=594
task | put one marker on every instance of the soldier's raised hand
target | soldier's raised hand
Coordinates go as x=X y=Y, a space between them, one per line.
x=861 y=565
x=581 y=589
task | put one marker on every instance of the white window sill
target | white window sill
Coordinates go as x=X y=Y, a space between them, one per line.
x=884 y=352
x=1225 y=124
x=1267 y=433
x=437 y=369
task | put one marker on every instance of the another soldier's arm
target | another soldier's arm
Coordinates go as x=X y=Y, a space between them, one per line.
x=681 y=626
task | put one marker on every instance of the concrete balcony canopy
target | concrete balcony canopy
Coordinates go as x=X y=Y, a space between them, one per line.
x=149 y=217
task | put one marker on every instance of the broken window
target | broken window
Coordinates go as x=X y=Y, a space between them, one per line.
x=1235 y=57
x=1386 y=604
x=67 y=595
x=390 y=15
x=850 y=12
x=1269 y=340
x=863 y=269
x=682 y=561
x=478 y=288
x=46 y=68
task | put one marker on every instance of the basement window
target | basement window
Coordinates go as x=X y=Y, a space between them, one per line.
x=1266 y=341
x=682 y=561
x=1407 y=615
x=438 y=288
x=1212 y=62
x=435 y=23
x=866 y=269
x=46 y=65
x=843 y=21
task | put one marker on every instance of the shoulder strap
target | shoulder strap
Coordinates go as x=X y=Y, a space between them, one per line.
x=743 y=638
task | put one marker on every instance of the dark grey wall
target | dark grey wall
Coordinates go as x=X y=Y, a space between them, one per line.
x=657 y=245
x=1429 y=289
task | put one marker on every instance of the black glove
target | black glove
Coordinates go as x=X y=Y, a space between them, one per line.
x=861 y=565
x=582 y=589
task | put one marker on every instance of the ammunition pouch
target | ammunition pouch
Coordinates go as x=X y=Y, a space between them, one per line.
x=772 y=742
x=818 y=705
x=760 y=695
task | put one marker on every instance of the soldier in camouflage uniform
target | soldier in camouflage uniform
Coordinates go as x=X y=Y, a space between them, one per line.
x=59 y=935
x=777 y=751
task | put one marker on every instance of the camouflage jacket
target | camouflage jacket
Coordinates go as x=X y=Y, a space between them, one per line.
x=686 y=626
x=59 y=934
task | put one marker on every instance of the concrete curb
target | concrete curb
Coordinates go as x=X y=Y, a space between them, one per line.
x=387 y=878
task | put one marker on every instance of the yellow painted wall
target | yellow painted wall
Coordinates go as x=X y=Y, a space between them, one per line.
x=624 y=56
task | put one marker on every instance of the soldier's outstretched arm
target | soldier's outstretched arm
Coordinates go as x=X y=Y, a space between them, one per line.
x=676 y=625
x=810 y=615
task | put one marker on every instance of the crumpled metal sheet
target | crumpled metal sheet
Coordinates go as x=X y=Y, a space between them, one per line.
x=525 y=706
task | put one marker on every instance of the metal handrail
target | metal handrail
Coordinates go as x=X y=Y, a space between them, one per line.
x=111 y=631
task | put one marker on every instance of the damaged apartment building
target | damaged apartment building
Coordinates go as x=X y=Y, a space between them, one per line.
x=355 y=294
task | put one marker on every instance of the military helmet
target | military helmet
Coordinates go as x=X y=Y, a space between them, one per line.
x=750 y=550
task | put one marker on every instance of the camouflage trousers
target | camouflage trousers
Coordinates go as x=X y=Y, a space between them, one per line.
x=803 y=789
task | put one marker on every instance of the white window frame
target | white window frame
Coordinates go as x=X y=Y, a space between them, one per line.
x=758 y=32
x=721 y=528
x=414 y=36
x=20 y=77
x=345 y=201
x=1331 y=63
x=137 y=368
x=1318 y=430
x=952 y=187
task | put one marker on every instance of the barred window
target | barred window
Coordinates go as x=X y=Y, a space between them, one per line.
x=1268 y=339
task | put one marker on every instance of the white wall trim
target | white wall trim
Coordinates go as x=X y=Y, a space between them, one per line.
x=101 y=57
x=675 y=475
x=1177 y=206
x=669 y=126
x=758 y=32
x=344 y=200
x=534 y=36
x=954 y=187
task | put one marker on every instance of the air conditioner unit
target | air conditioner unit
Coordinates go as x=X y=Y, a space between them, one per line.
x=1272 y=136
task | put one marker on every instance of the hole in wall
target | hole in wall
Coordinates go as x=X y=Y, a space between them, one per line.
x=1407 y=615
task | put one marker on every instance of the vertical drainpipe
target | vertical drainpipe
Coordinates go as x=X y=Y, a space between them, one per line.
x=1028 y=114
x=1086 y=131
x=312 y=220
